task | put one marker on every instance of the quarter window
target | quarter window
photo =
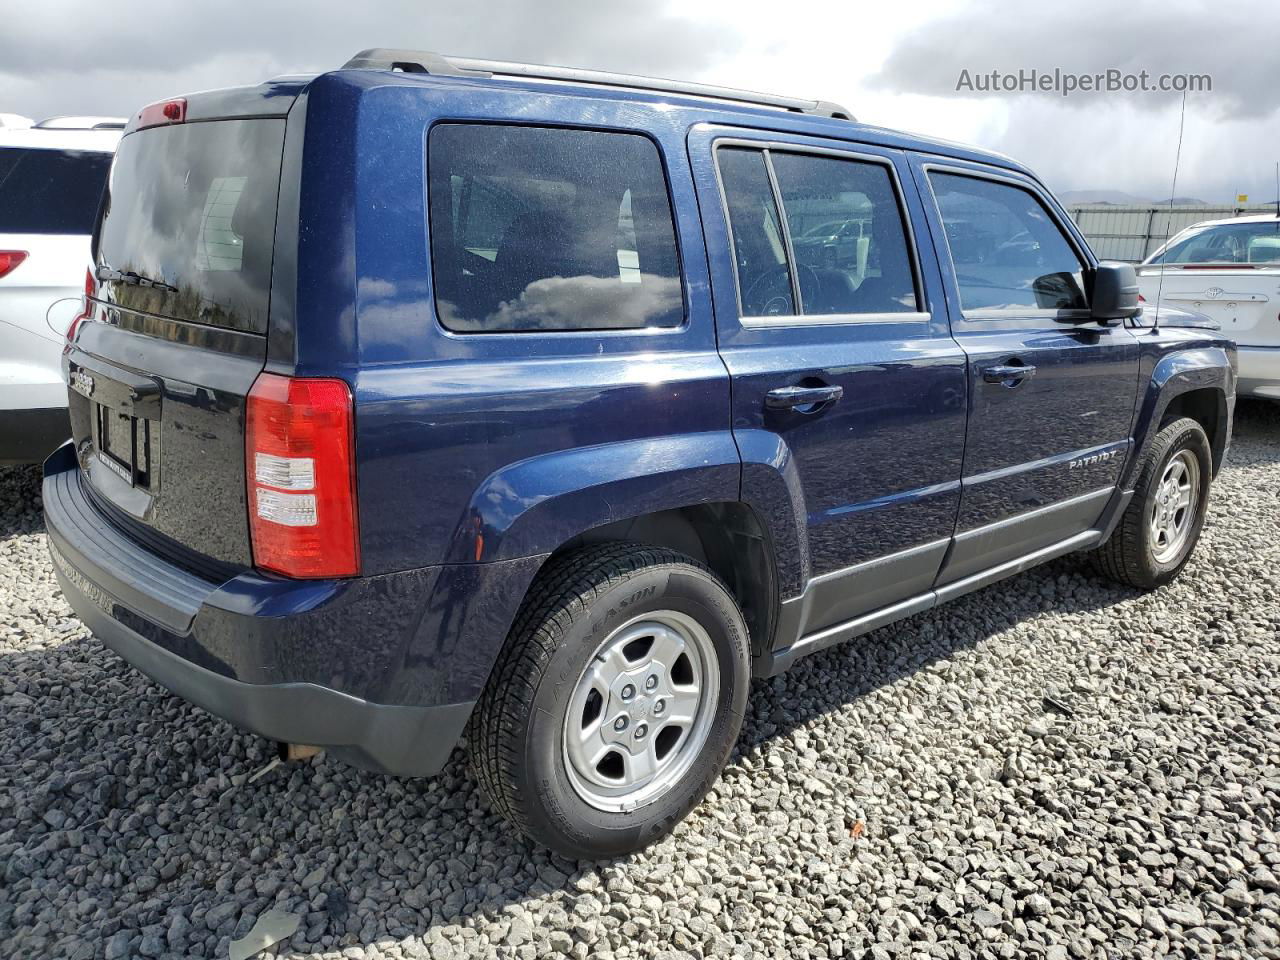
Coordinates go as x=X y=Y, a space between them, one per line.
x=538 y=228
x=1007 y=251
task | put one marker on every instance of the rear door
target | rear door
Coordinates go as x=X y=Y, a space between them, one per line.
x=1051 y=392
x=844 y=374
x=183 y=257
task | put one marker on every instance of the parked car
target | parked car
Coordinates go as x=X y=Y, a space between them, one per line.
x=430 y=395
x=51 y=179
x=1228 y=270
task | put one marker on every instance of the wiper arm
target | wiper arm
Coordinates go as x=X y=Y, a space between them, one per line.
x=108 y=275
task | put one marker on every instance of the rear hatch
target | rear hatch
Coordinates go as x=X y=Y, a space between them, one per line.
x=182 y=257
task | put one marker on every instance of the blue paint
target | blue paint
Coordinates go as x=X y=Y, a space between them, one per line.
x=480 y=455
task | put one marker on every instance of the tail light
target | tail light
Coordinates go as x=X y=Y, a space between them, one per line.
x=10 y=259
x=86 y=308
x=300 y=461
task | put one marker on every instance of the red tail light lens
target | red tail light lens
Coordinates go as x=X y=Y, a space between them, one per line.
x=10 y=259
x=300 y=465
x=166 y=111
x=87 y=306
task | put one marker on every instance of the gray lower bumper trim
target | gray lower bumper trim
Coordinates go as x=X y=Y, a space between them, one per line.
x=402 y=740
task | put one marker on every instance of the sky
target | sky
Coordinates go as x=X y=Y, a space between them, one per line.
x=892 y=64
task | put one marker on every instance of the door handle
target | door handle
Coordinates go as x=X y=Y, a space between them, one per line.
x=784 y=398
x=1003 y=373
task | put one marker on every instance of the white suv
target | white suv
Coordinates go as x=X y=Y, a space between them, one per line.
x=51 y=180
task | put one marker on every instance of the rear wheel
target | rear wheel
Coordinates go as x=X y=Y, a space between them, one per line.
x=616 y=701
x=1162 y=523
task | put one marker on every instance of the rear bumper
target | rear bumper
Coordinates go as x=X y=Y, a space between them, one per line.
x=406 y=740
x=382 y=671
x=1259 y=372
x=28 y=436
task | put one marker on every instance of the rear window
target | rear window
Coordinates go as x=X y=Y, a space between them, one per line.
x=1227 y=243
x=538 y=228
x=189 y=220
x=50 y=191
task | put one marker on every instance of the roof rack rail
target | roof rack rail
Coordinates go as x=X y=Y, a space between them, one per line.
x=422 y=61
x=81 y=123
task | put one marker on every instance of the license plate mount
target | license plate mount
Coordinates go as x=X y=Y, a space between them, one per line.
x=123 y=445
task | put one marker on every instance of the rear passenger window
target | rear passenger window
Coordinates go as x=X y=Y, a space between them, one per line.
x=1007 y=250
x=847 y=235
x=848 y=245
x=539 y=228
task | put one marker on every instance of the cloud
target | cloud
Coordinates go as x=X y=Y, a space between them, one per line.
x=890 y=64
x=1124 y=147
x=578 y=303
x=1091 y=37
x=127 y=53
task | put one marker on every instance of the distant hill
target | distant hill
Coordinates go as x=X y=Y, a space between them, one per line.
x=1183 y=202
x=1118 y=197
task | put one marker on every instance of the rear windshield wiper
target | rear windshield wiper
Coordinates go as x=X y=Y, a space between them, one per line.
x=108 y=275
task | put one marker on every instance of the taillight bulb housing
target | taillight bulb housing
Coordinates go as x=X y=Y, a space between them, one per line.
x=300 y=472
x=9 y=260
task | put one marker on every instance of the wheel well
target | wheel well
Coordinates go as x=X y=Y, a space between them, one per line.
x=1208 y=407
x=727 y=537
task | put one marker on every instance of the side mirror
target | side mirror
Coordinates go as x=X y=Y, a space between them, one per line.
x=1115 y=291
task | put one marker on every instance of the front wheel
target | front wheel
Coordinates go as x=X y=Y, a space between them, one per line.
x=616 y=701
x=1162 y=523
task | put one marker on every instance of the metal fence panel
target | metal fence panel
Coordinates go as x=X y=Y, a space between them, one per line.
x=1132 y=233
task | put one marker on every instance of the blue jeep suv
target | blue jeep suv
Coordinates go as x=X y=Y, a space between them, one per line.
x=432 y=397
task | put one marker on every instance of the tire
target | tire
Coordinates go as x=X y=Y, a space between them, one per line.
x=600 y=607
x=1133 y=555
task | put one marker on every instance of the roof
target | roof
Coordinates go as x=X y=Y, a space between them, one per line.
x=719 y=105
x=426 y=61
x=768 y=112
x=1251 y=218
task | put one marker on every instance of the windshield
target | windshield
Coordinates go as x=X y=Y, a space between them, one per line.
x=1256 y=242
x=50 y=191
x=188 y=222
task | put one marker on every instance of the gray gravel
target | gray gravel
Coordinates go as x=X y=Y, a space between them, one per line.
x=1053 y=767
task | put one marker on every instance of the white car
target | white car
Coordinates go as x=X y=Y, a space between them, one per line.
x=1228 y=270
x=51 y=180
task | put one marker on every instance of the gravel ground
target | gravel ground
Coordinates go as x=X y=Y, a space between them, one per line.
x=1053 y=767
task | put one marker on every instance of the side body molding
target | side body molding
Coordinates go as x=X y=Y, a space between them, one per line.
x=531 y=507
